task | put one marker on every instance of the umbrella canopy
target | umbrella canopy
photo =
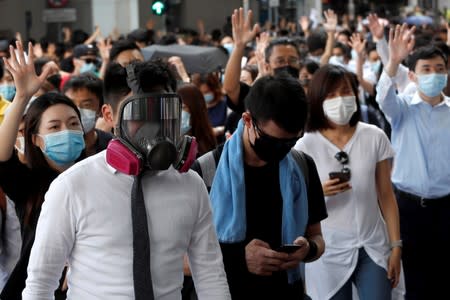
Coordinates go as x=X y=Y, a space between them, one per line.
x=419 y=20
x=196 y=59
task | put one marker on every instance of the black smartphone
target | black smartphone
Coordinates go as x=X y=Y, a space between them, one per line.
x=288 y=248
x=343 y=176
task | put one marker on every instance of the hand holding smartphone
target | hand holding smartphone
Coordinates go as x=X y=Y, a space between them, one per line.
x=288 y=248
x=343 y=176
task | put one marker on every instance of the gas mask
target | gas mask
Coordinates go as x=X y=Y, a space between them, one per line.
x=148 y=134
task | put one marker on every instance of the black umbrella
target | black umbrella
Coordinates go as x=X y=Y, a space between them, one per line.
x=196 y=59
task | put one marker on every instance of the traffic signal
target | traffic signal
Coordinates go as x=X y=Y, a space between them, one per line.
x=159 y=7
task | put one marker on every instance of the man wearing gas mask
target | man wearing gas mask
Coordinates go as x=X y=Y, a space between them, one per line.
x=127 y=215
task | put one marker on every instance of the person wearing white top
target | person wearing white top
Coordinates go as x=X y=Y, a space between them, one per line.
x=89 y=221
x=362 y=231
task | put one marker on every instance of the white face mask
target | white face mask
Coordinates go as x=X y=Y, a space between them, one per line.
x=337 y=60
x=88 y=118
x=21 y=147
x=340 y=110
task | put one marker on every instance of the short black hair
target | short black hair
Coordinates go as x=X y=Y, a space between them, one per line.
x=279 y=98
x=280 y=42
x=328 y=78
x=86 y=81
x=316 y=40
x=154 y=74
x=426 y=52
x=120 y=46
x=115 y=86
x=2 y=69
x=310 y=65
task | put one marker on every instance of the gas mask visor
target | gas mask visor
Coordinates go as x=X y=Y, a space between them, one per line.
x=150 y=124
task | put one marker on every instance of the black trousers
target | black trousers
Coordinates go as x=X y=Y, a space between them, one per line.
x=425 y=231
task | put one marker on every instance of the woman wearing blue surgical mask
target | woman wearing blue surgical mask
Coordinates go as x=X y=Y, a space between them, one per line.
x=362 y=231
x=211 y=89
x=53 y=138
x=195 y=120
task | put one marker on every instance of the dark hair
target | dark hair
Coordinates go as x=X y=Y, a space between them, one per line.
x=252 y=69
x=345 y=32
x=121 y=46
x=200 y=125
x=328 y=78
x=2 y=69
x=33 y=154
x=155 y=74
x=280 y=42
x=279 y=98
x=346 y=50
x=115 y=86
x=316 y=40
x=427 y=52
x=310 y=65
x=211 y=80
x=86 y=81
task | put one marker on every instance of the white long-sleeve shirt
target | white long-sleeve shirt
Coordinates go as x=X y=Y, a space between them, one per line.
x=86 y=220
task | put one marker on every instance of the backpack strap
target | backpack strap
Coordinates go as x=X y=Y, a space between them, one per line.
x=300 y=158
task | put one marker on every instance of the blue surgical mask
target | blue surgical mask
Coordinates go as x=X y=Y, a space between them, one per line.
x=375 y=66
x=208 y=97
x=337 y=60
x=63 y=147
x=432 y=84
x=185 y=122
x=229 y=47
x=8 y=91
x=88 y=67
x=88 y=118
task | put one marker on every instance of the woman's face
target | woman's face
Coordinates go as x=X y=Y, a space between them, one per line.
x=57 y=118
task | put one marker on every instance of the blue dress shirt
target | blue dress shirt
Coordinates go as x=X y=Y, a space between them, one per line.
x=420 y=138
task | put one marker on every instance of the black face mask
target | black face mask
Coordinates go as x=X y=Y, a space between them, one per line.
x=294 y=72
x=271 y=149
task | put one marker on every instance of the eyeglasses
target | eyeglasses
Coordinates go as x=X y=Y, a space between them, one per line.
x=282 y=61
x=290 y=142
x=342 y=157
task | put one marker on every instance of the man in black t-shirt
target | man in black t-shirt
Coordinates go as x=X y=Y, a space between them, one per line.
x=253 y=207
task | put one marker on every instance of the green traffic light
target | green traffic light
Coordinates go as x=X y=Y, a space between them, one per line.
x=158 y=7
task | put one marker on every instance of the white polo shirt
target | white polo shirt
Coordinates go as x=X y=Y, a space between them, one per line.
x=86 y=220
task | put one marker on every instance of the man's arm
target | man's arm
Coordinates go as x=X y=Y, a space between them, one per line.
x=205 y=257
x=55 y=237
x=401 y=42
x=242 y=34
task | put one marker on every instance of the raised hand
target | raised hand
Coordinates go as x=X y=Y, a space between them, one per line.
x=242 y=28
x=304 y=23
x=375 y=27
x=401 y=43
x=330 y=21
x=22 y=69
x=261 y=44
x=358 y=44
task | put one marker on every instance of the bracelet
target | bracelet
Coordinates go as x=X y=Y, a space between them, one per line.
x=395 y=244
x=312 y=253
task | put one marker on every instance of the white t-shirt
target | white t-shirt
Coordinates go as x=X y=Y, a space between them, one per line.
x=12 y=243
x=86 y=220
x=354 y=217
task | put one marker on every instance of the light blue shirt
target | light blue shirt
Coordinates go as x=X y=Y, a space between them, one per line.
x=421 y=139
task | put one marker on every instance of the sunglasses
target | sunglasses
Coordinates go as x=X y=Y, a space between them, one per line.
x=342 y=158
x=290 y=142
x=90 y=60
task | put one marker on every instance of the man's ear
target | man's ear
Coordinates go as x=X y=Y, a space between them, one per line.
x=247 y=118
x=412 y=76
x=108 y=114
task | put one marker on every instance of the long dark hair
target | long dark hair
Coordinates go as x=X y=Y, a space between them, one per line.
x=33 y=154
x=200 y=125
x=327 y=79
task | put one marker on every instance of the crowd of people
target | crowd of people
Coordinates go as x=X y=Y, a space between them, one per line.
x=313 y=166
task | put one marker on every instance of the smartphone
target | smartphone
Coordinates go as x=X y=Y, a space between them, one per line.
x=288 y=248
x=343 y=176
